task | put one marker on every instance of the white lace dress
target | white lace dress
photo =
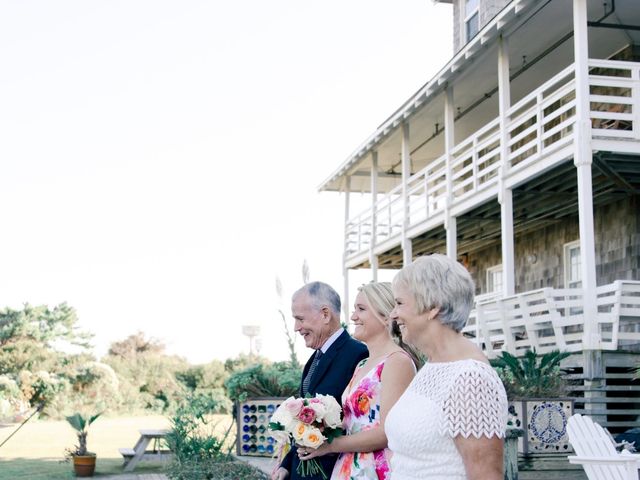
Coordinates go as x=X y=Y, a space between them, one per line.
x=444 y=400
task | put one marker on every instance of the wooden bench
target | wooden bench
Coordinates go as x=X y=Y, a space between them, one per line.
x=140 y=451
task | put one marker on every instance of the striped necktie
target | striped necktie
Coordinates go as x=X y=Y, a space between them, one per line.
x=312 y=367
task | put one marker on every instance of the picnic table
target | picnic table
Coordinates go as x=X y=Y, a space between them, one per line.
x=140 y=451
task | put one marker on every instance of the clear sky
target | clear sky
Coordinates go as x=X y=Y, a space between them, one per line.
x=160 y=159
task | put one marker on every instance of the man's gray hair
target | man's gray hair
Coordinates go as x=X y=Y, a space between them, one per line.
x=436 y=281
x=322 y=295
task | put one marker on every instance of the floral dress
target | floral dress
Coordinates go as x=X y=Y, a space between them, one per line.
x=361 y=408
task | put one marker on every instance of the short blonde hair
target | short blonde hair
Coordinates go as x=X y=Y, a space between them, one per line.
x=436 y=281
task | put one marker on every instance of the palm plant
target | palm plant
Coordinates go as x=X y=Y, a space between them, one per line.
x=81 y=423
x=532 y=375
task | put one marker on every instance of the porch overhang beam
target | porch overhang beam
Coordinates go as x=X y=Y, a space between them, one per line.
x=542 y=193
x=386 y=174
x=510 y=16
x=616 y=26
x=601 y=164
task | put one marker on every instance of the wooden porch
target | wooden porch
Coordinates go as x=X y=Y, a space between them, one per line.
x=539 y=137
x=550 y=318
x=601 y=378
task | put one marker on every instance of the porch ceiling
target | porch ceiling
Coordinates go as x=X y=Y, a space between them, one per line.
x=540 y=45
x=543 y=201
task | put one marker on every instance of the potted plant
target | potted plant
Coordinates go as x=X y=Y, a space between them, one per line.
x=84 y=462
x=536 y=390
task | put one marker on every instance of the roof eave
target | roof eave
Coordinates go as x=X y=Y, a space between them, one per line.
x=450 y=71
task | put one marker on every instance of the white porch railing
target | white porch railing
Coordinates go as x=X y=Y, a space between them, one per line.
x=537 y=125
x=549 y=319
x=615 y=99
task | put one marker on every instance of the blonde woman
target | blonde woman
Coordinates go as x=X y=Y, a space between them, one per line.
x=377 y=383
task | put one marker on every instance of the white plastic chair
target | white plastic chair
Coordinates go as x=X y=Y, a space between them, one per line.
x=597 y=453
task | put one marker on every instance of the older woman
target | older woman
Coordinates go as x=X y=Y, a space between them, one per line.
x=450 y=422
x=376 y=385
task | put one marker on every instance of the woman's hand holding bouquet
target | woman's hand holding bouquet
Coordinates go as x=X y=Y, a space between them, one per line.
x=309 y=423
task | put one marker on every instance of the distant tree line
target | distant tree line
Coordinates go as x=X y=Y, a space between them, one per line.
x=136 y=375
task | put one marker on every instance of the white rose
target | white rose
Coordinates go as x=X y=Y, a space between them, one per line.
x=318 y=407
x=291 y=425
x=333 y=410
x=281 y=416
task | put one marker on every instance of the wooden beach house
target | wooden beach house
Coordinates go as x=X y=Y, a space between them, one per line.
x=521 y=159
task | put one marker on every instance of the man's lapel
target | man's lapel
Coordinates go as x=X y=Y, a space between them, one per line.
x=326 y=360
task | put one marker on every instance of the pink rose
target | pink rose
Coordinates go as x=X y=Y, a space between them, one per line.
x=294 y=406
x=307 y=415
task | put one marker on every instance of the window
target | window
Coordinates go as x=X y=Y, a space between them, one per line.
x=471 y=18
x=494 y=279
x=572 y=265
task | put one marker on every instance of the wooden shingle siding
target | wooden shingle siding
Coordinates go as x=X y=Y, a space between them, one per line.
x=617 y=229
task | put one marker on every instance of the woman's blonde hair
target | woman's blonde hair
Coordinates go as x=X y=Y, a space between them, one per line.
x=380 y=298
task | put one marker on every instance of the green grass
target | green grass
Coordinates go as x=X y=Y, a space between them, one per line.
x=35 y=451
x=54 y=469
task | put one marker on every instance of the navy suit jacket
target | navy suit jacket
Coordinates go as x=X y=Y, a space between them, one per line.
x=331 y=376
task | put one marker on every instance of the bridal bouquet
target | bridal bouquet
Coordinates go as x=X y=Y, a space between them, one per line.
x=308 y=422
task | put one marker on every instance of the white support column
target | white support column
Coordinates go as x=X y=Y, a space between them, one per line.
x=373 y=258
x=582 y=160
x=407 y=254
x=508 y=257
x=505 y=196
x=449 y=142
x=451 y=225
x=345 y=270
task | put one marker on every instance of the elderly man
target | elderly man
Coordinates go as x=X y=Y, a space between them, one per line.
x=316 y=310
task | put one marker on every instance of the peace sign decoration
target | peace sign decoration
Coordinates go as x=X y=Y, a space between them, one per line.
x=544 y=422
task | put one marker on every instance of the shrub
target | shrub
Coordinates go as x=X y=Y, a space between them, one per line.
x=200 y=452
x=228 y=469
x=96 y=384
x=192 y=435
x=83 y=384
x=532 y=375
x=280 y=379
x=41 y=386
x=9 y=388
x=243 y=361
x=12 y=402
x=204 y=377
x=149 y=380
